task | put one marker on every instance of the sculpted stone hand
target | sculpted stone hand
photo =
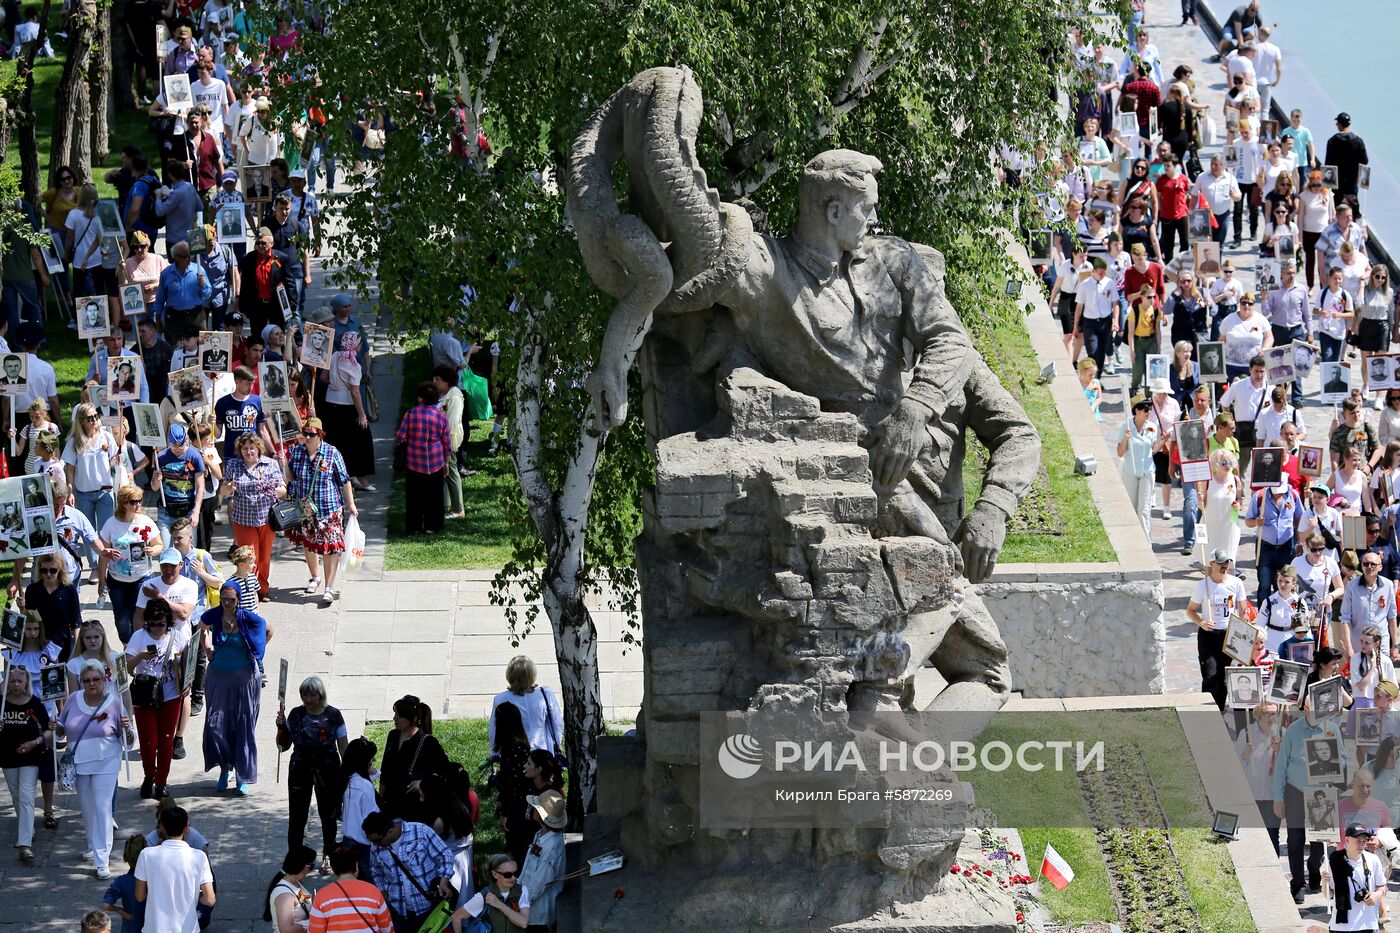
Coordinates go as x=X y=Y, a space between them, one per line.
x=899 y=439
x=980 y=536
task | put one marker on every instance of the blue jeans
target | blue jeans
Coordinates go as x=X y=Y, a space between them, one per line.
x=1284 y=335
x=21 y=295
x=1133 y=25
x=97 y=506
x=123 y=597
x=1272 y=559
x=1331 y=347
x=320 y=155
x=1222 y=229
x=1189 y=501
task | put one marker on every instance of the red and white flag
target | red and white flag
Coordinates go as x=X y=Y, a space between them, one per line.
x=1054 y=868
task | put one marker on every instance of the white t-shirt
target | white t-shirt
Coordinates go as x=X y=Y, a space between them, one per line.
x=183 y=590
x=87 y=237
x=1225 y=598
x=162 y=663
x=173 y=873
x=343 y=380
x=213 y=95
x=477 y=903
x=1269 y=425
x=1266 y=59
x=1243 y=400
x=92 y=469
x=134 y=565
x=1099 y=298
x=1243 y=339
x=1316 y=580
x=1367 y=875
x=1337 y=301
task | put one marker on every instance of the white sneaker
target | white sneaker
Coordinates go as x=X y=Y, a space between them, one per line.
x=103 y=873
x=329 y=596
x=312 y=584
x=87 y=855
x=1166 y=515
x=102 y=602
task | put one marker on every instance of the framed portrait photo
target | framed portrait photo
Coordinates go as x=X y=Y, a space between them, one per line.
x=1239 y=640
x=1325 y=698
x=1310 y=460
x=257 y=183
x=53 y=682
x=178 y=98
x=232 y=223
x=109 y=219
x=1211 y=357
x=1363 y=176
x=14 y=374
x=1286 y=681
x=215 y=351
x=133 y=301
x=1278 y=363
x=1336 y=382
x=1320 y=812
x=272 y=382
x=316 y=348
x=1370 y=726
x=150 y=431
x=94 y=322
x=1302 y=652
x=12 y=628
x=124 y=378
x=1329 y=176
x=1266 y=467
x=1305 y=357
x=1245 y=686
x=189 y=388
x=1324 y=760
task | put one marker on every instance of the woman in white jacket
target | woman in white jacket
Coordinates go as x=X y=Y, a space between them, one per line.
x=359 y=799
x=1257 y=745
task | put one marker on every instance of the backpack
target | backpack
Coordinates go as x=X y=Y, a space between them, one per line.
x=146 y=186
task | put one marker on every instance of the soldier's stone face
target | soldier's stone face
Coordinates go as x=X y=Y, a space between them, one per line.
x=853 y=216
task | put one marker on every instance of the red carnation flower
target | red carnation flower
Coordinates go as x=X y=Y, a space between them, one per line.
x=619 y=894
x=955 y=870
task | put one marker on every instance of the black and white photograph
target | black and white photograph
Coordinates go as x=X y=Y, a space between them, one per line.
x=133 y=301
x=1206 y=256
x=162 y=39
x=1370 y=726
x=12 y=628
x=1286 y=681
x=123 y=378
x=1380 y=372
x=1278 y=362
x=1268 y=131
x=39 y=532
x=35 y=491
x=215 y=350
x=1267 y=278
x=53 y=684
x=1266 y=467
x=1191 y=440
x=257 y=184
x=53 y=261
x=1038 y=246
x=316 y=348
x=1211 y=356
x=97 y=398
x=1325 y=698
x=1363 y=176
x=1335 y=384
x=149 y=432
x=1157 y=364
x=285 y=422
x=1285 y=247
x=188 y=388
x=1329 y=176
x=1127 y=126
x=178 y=98
x=284 y=302
x=109 y=219
x=93 y=319
x=11 y=517
x=232 y=223
x=1239 y=639
x=1302 y=652
x=1324 y=757
x=1320 y=814
x=1246 y=686
x=272 y=383
x=1305 y=358
x=1309 y=460
x=14 y=374
x=1198 y=223
x=197 y=239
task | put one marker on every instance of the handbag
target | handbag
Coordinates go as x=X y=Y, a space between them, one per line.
x=371 y=403
x=68 y=762
x=284 y=515
x=440 y=917
x=146 y=690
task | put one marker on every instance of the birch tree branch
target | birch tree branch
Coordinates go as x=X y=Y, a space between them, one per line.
x=539 y=497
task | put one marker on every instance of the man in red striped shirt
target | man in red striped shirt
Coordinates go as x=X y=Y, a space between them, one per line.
x=348 y=905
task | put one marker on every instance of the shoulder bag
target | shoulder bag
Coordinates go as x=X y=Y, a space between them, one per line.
x=146 y=690
x=68 y=762
x=284 y=515
x=440 y=917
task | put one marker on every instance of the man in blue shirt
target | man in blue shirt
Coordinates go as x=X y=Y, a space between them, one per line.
x=1275 y=512
x=241 y=413
x=1292 y=790
x=180 y=205
x=182 y=293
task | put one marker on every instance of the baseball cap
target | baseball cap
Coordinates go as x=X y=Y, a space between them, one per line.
x=1356 y=830
x=320 y=316
x=1320 y=487
x=1300 y=625
x=1281 y=489
x=183 y=32
x=1390 y=688
x=314 y=423
x=1220 y=556
x=230 y=175
x=176 y=434
x=171 y=556
x=298 y=173
x=1344 y=117
x=340 y=300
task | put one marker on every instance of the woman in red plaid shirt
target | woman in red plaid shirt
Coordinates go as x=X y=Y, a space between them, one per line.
x=426 y=439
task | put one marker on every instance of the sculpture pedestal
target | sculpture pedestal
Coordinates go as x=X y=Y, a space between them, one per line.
x=783 y=897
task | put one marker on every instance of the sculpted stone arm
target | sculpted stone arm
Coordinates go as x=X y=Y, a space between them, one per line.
x=943 y=353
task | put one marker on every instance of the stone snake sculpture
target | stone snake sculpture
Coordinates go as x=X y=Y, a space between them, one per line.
x=679 y=250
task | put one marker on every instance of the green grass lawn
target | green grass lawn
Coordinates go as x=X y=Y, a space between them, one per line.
x=128 y=129
x=1018 y=801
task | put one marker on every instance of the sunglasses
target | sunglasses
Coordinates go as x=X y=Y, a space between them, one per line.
x=504 y=874
x=310 y=433
x=141 y=246
x=92 y=417
x=154 y=623
x=1250 y=303
x=49 y=571
x=1317 y=550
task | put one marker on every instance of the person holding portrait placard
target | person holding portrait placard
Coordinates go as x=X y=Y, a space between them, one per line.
x=1216 y=597
x=1290 y=784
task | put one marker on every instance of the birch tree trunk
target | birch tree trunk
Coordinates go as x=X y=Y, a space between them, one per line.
x=100 y=87
x=67 y=108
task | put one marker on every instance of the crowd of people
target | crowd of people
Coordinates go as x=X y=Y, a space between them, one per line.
x=1148 y=279
x=267 y=452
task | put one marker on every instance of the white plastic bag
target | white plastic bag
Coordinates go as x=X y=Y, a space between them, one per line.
x=354 y=542
x=1208 y=136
